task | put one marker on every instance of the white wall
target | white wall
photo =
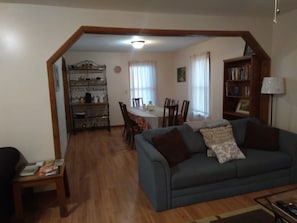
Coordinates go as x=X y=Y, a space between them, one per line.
x=30 y=35
x=118 y=83
x=220 y=49
x=284 y=64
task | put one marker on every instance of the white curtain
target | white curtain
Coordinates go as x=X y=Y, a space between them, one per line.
x=199 y=79
x=143 y=82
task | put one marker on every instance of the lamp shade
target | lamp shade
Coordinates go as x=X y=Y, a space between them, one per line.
x=273 y=85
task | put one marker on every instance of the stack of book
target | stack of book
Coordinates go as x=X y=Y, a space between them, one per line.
x=50 y=167
x=29 y=170
x=46 y=168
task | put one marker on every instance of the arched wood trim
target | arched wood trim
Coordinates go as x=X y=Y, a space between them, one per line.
x=246 y=35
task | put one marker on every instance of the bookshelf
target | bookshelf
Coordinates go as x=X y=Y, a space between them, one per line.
x=242 y=85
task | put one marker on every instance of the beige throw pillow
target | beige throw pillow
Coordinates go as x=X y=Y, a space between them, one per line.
x=221 y=141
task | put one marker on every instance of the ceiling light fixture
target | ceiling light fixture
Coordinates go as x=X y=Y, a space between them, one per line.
x=138 y=44
x=276 y=11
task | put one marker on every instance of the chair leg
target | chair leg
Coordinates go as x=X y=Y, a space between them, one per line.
x=132 y=143
x=124 y=132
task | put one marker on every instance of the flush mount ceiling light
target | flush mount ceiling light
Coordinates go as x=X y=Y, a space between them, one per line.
x=138 y=44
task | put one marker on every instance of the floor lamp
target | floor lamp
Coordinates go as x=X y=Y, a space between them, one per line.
x=272 y=86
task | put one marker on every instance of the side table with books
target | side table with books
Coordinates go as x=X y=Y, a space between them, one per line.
x=41 y=173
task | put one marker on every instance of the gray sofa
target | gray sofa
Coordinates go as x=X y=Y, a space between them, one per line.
x=201 y=178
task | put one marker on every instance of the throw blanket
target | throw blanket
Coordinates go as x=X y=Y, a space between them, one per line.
x=209 y=123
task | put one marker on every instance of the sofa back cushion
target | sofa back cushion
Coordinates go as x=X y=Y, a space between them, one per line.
x=239 y=128
x=288 y=142
x=192 y=139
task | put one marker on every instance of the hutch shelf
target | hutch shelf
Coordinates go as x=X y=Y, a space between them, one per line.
x=88 y=96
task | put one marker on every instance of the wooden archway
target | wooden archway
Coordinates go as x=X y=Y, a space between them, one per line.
x=245 y=35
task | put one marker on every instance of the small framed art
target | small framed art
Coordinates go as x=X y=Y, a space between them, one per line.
x=243 y=106
x=181 y=74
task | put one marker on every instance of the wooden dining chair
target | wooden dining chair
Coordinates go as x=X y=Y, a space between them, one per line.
x=125 y=124
x=137 y=102
x=167 y=101
x=182 y=117
x=170 y=101
x=174 y=102
x=132 y=127
x=170 y=115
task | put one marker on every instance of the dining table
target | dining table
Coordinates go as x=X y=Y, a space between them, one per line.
x=147 y=118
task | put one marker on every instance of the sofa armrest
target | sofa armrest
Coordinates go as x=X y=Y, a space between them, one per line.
x=9 y=158
x=288 y=144
x=154 y=174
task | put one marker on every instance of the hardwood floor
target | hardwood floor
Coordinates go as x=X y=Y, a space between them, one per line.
x=102 y=172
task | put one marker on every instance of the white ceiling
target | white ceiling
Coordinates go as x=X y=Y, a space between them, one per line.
x=122 y=43
x=91 y=42
x=213 y=7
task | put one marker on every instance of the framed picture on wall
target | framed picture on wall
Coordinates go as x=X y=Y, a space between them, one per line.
x=181 y=74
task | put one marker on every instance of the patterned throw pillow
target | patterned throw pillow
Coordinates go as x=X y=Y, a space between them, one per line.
x=227 y=151
x=221 y=141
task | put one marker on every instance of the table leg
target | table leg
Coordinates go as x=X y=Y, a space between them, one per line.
x=61 y=197
x=66 y=183
x=18 y=204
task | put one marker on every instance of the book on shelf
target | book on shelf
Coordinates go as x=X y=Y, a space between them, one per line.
x=239 y=73
x=29 y=170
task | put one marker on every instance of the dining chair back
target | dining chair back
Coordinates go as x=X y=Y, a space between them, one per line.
x=170 y=101
x=167 y=101
x=132 y=127
x=170 y=115
x=174 y=102
x=137 y=102
x=124 y=118
x=184 y=110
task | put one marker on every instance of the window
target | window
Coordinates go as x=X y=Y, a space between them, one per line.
x=143 y=81
x=199 y=85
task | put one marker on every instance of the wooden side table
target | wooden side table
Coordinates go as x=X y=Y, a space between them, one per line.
x=62 y=188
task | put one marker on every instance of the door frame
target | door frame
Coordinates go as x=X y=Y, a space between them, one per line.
x=245 y=35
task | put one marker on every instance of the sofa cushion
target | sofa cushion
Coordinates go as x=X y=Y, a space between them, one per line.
x=172 y=146
x=199 y=170
x=261 y=137
x=193 y=139
x=239 y=127
x=260 y=162
x=221 y=141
